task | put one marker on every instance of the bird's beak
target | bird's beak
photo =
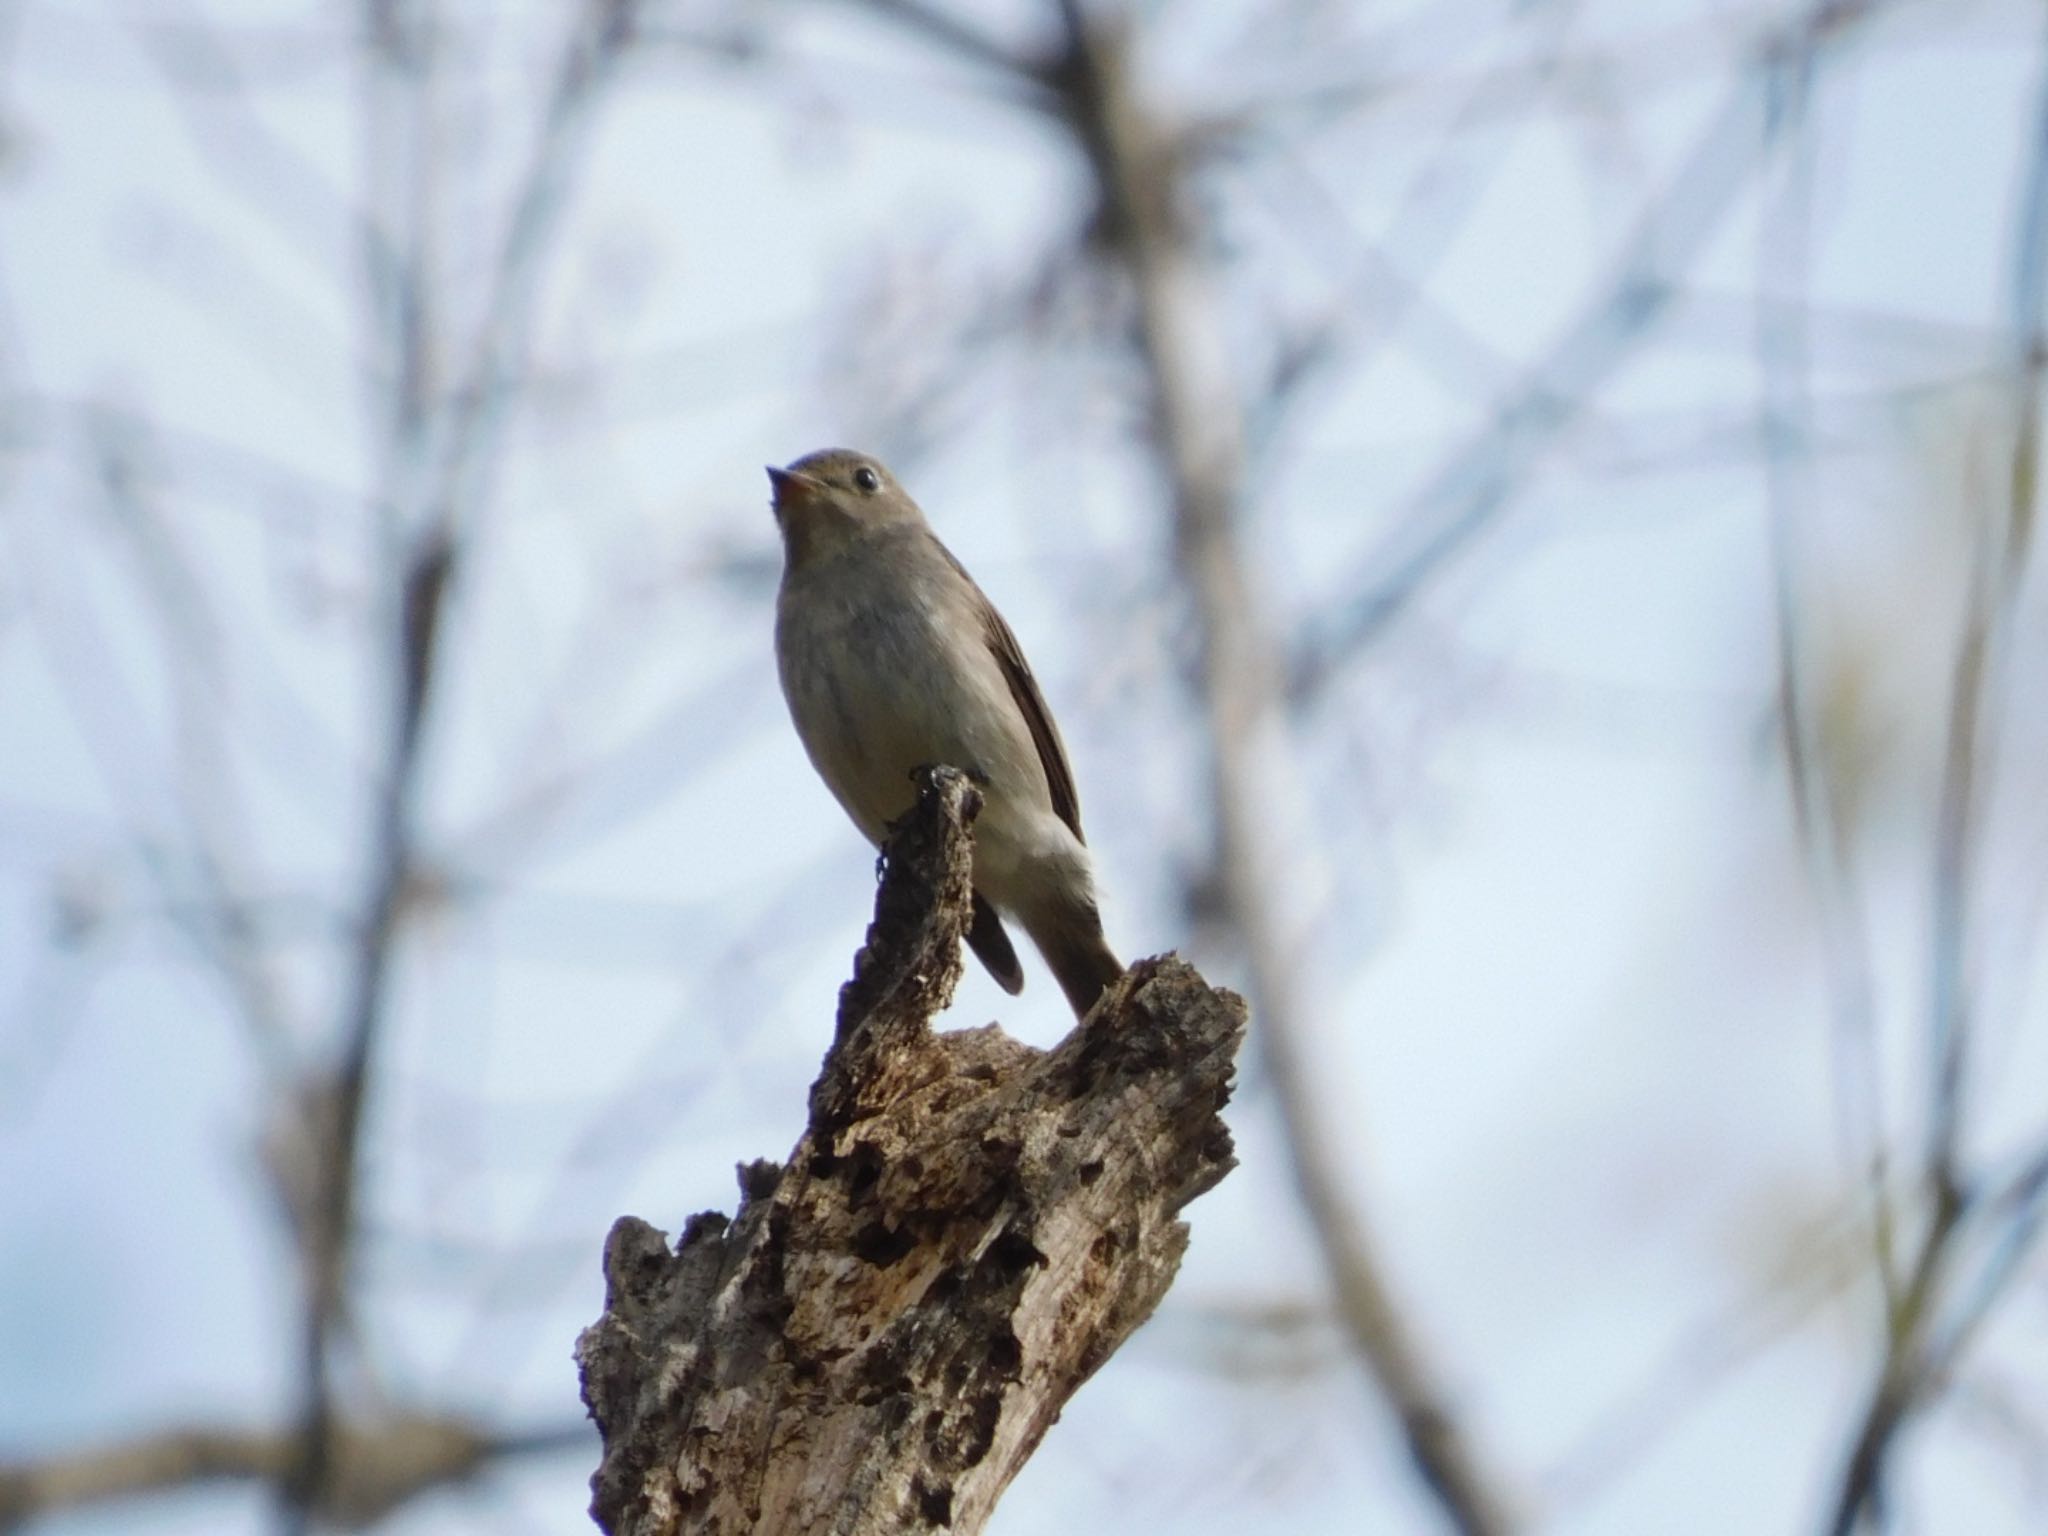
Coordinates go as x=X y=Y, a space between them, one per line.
x=793 y=487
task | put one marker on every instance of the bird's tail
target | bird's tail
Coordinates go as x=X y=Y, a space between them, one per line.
x=991 y=945
x=1079 y=956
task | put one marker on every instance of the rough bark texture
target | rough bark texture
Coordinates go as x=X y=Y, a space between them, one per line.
x=965 y=1232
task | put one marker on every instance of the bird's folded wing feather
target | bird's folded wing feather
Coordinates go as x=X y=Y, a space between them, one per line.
x=1052 y=752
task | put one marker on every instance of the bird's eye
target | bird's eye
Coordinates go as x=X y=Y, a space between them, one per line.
x=867 y=480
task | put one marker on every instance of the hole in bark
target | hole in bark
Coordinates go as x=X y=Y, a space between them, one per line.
x=891 y=1391
x=955 y=1376
x=878 y=1245
x=864 y=1170
x=960 y=1435
x=1104 y=1249
x=982 y=1427
x=934 y=1504
x=1014 y=1252
x=1084 y=1069
x=1090 y=1171
x=860 y=1165
x=1005 y=1354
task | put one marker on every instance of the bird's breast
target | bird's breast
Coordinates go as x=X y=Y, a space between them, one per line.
x=884 y=675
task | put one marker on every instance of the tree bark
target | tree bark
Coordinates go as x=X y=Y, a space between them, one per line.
x=967 y=1229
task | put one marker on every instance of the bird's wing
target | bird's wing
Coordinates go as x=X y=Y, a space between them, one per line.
x=1052 y=753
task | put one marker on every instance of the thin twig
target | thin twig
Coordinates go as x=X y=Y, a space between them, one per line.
x=1921 y=1353
x=1476 y=482
x=1866 y=1474
x=1782 y=342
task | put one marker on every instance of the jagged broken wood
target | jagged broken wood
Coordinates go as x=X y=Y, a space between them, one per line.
x=965 y=1232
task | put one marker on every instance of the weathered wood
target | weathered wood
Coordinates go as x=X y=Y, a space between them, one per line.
x=966 y=1231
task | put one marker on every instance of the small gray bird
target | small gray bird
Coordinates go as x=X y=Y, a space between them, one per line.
x=892 y=658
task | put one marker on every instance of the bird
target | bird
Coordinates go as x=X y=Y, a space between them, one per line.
x=892 y=659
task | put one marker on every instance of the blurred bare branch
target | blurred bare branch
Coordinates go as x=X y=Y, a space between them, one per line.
x=1820 y=823
x=1477 y=479
x=1197 y=424
x=435 y=504
x=1824 y=1264
x=377 y=1466
x=1923 y=1348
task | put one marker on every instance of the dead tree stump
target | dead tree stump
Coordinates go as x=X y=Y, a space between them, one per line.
x=966 y=1231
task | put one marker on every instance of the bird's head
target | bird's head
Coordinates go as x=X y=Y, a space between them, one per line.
x=829 y=498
